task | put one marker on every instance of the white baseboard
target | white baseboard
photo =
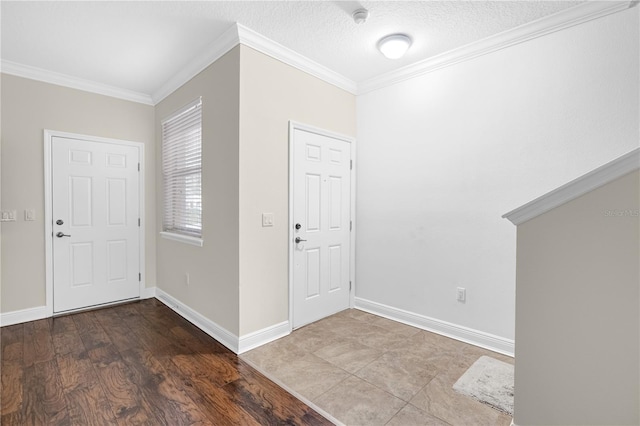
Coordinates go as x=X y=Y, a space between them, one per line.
x=228 y=339
x=264 y=336
x=458 y=332
x=24 y=315
x=236 y=344
x=40 y=312
x=148 y=293
x=219 y=333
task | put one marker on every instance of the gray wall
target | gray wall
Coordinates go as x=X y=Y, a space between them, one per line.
x=578 y=311
x=213 y=268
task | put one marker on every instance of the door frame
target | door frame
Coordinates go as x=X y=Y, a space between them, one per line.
x=294 y=125
x=48 y=213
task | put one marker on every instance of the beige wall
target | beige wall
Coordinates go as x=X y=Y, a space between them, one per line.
x=213 y=268
x=239 y=278
x=271 y=94
x=577 y=311
x=29 y=107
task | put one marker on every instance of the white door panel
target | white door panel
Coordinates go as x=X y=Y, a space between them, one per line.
x=95 y=207
x=322 y=208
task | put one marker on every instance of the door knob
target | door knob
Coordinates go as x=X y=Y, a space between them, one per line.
x=299 y=240
x=61 y=234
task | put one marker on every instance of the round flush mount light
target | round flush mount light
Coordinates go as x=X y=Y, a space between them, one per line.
x=394 y=46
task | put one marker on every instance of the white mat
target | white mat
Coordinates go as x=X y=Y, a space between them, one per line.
x=489 y=381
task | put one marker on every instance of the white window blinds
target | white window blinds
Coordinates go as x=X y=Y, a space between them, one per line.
x=182 y=171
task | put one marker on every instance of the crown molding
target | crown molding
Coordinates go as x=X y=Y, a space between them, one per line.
x=39 y=74
x=579 y=14
x=596 y=178
x=236 y=34
x=277 y=51
x=239 y=34
x=214 y=51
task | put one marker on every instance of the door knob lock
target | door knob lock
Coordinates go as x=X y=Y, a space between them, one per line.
x=59 y=222
x=298 y=226
x=299 y=240
x=62 y=234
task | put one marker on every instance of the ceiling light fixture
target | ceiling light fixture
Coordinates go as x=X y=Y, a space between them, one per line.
x=394 y=46
x=360 y=16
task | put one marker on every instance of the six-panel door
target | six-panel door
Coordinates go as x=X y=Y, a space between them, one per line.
x=322 y=209
x=95 y=198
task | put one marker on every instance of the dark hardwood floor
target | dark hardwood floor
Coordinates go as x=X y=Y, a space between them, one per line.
x=139 y=363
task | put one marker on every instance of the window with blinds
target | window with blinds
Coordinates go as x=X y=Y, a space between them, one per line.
x=182 y=171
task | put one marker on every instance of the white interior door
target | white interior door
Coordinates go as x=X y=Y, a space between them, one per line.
x=321 y=218
x=95 y=209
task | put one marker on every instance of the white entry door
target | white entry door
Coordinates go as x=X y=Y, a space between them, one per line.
x=95 y=214
x=321 y=225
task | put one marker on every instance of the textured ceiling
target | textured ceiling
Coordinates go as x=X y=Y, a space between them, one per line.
x=138 y=46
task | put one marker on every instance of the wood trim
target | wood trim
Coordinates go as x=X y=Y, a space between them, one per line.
x=454 y=331
x=567 y=18
x=23 y=315
x=222 y=335
x=577 y=187
x=239 y=34
x=277 y=51
x=220 y=46
x=46 y=76
x=264 y=336
x=148 y=293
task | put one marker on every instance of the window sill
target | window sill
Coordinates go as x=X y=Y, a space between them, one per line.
x=182 y=238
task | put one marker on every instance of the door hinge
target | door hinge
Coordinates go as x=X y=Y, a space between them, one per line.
x=349 y=286
x=350 y=164
x=138 y=222
x=138 y=166
x=139 y=276
x=350 y=225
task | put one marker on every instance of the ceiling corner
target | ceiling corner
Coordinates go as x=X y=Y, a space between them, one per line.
x=214 y=51
x=251 y=38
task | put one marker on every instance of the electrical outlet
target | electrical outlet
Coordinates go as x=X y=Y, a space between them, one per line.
x=461 y=294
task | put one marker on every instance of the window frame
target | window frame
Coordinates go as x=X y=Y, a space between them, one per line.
x=185 y=161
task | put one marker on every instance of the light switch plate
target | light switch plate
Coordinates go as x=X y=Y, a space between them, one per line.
x=30 y=214
x=267 y=219
x=8 y=216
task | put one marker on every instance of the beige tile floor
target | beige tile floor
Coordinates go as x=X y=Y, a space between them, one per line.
x=362 y=369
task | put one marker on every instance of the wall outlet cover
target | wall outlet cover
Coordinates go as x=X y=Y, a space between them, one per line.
x=461 y=294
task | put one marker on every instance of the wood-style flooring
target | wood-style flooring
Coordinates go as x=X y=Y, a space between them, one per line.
x=138 y=363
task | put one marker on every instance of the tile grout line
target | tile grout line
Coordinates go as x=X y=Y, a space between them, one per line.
x=383 y=352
